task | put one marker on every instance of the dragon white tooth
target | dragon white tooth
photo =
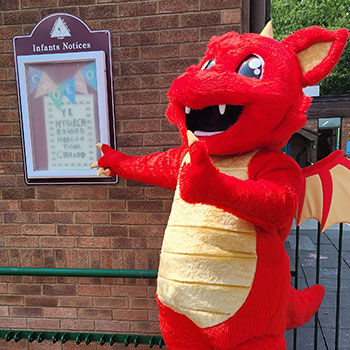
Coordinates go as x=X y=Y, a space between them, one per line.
x=187 y=110
x=222 y=109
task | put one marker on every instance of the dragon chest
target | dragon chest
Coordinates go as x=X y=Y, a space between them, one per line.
x=208 y=258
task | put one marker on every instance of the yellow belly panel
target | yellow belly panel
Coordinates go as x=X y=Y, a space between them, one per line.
x=208 y=258
x=208 y=241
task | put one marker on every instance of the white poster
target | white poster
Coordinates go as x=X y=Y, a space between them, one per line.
x=71 y=133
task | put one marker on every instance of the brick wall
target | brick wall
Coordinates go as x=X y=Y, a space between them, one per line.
x=119 y=226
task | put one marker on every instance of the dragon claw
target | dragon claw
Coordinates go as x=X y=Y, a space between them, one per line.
x=191 y=138
x=94 y=165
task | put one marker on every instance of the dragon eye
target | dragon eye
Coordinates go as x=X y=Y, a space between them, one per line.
x=208 y=64
x=251 y=67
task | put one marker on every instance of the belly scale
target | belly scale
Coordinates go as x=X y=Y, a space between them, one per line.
x=208 y=257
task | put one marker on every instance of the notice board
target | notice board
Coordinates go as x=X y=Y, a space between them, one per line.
x=65 y=92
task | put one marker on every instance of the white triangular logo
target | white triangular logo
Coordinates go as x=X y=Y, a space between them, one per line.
x=60 y=29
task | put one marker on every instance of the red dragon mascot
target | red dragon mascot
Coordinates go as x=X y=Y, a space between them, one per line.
x=224 y=277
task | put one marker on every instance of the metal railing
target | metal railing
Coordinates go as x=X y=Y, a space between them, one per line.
x=82 y=338
x=38 y=271
x=79 y=337
x=295 y=274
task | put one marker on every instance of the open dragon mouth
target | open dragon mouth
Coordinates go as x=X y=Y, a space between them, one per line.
x=212 y=120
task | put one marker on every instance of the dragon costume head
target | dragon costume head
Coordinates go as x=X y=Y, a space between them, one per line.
x=246 y=93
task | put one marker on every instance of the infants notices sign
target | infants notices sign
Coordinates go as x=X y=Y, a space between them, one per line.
x=71 y=133
x=66 y=100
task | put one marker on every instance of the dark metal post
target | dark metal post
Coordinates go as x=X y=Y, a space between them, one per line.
x=317 y=280
x=337 y=317
x=296 y=276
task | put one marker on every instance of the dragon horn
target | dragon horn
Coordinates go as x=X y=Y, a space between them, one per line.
x=267 y=31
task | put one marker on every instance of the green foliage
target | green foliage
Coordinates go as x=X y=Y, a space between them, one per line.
x=291 y=15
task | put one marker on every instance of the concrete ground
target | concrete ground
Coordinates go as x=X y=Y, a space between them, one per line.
x=328 y=278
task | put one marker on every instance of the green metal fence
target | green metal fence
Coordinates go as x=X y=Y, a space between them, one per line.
x=78 y=337
x=82 y=338
x=32 y=271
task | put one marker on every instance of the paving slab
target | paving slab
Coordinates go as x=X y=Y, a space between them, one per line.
x=344 y=338
x=305 y=243
x=333 y=236
x=326 y=316
x=329 y=284
x=330 y=299
x=346 y=257
x=305 y=339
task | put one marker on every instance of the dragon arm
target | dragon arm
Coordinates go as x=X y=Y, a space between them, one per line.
x=160 y=169
x=268 y=198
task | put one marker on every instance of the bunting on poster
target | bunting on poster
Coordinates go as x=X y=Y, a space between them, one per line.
x=69 y=89
x=34 y=76
x=46 y=85
x=89 y=73
x=56 y=96
x=80 y=84
x=41 y=84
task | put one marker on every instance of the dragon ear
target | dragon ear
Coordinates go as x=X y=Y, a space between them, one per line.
x=318 y=50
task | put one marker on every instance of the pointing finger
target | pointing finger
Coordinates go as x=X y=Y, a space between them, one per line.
x=94 y=165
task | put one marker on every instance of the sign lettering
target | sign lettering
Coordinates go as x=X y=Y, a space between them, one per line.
x=71 y=133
